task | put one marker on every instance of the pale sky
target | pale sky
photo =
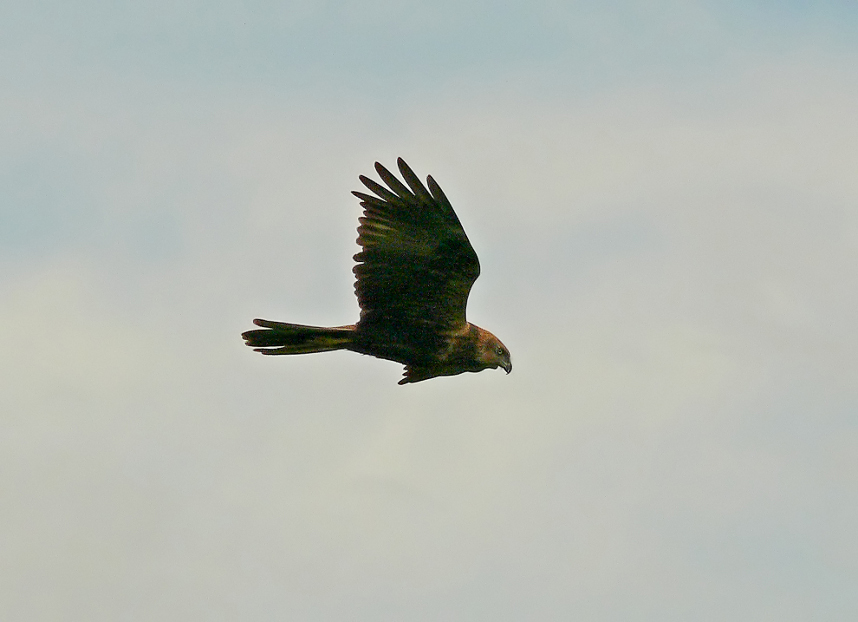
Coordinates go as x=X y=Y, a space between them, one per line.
x=664 y=199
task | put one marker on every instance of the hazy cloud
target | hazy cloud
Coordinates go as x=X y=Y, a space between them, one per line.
x=669 y=251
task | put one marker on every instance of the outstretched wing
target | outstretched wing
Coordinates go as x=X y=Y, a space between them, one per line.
x=417 y=266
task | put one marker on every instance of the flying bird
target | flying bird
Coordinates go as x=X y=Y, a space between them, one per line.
x=413 y=277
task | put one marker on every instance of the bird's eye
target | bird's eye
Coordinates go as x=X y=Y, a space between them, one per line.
x=499 y=351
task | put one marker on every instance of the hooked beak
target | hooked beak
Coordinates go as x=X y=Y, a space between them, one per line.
x=507 y=366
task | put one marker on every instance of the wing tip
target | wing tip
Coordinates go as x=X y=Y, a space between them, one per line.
x=379 y=168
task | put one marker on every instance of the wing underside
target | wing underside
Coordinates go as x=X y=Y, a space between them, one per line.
x=416 y=266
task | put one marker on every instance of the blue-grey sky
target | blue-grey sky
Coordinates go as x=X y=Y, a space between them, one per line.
x=663 y=197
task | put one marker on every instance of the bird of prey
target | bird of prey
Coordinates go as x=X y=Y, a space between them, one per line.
x=413 y=277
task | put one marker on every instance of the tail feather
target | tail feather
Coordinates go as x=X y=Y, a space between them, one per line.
x=282 y=338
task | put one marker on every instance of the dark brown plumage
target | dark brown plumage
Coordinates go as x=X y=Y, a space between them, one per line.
x=414 y=274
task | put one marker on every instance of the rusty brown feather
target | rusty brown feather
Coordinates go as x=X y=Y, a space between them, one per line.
x=413 y=277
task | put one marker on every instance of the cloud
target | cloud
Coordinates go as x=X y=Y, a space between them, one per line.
x=671 y=268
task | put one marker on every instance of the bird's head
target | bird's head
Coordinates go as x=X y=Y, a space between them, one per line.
x=493 y=353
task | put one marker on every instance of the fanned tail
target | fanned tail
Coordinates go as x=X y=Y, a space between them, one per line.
x=282 y=338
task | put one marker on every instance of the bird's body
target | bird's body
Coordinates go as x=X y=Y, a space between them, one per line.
x=414 y=274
